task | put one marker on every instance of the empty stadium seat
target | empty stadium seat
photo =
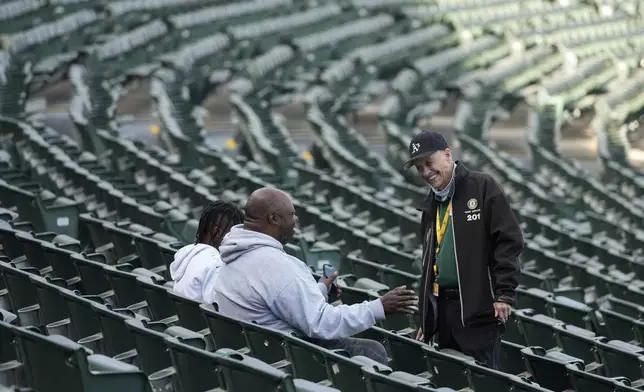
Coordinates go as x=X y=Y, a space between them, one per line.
x=47 y=359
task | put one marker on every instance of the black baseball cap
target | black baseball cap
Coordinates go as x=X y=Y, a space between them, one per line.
x=425 y=144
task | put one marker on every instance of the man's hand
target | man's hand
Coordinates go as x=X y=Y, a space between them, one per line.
x=420 y=335
x=328 y=282
x=501 y=311
x=400 y=300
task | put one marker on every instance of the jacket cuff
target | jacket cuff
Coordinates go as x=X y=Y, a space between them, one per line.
x=377 y=309
x=324 y=290
x=504 y=298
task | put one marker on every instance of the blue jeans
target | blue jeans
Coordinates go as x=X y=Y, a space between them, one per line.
x=356 y=346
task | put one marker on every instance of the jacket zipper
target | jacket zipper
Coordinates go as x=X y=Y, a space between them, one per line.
x=428 y=237
x=489 y=279
x=458 y=275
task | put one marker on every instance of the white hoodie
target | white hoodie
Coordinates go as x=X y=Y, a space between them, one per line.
x=261 y=283
x=194 y=270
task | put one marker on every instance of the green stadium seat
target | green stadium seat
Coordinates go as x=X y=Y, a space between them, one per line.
x=346 y=373
x=485 y=379
x=396 y=381
x=47 y=368
x=579 y=343
x=118 y=341
x=545 y=280
x=308 y=386
x=319 y=253
x=619 y=325
x=533 y=298
x=549 y=368
x=18 y=14
x=152 y=356
x=266 y=344
x=150 y=253
x=42 y=41
x=59 y=257
x=226 y=332
x=127 y=292
x=91 y=270
x=582 y=380
x=510 y=358
x=197 y=369
x=53 y=313
x=12 y=367
x=203 y=21
x=620 y=359
x=388 y=275
x=85 y=328
x=121 y=238
x=10 y=245
x=31 y=245
x=406 y=353
x=573 y=312
x=189 y=313
x=448 y=367
x=7 y=316
x=158 y=298
x=241 y=373
x=537 y=328
x=22 y=294
x=309 y=361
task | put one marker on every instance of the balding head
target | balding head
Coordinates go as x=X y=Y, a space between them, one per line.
x=270 y=211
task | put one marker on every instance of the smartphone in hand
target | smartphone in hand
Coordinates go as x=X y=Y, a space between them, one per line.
x=327 y=271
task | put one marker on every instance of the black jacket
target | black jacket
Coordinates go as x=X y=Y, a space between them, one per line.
x=488 y=242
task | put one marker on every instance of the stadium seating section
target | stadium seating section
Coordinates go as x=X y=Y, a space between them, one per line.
x=89 y=225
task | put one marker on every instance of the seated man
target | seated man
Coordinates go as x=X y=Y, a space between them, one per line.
x=261 y=283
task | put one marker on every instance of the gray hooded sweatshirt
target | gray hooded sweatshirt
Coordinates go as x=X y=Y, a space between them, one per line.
x=261 y=283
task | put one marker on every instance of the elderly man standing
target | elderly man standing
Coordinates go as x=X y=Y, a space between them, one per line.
x=471 y=245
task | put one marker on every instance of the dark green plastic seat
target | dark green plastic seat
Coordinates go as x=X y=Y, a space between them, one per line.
x=226 y=332
x=197 y=369
x=47 y=366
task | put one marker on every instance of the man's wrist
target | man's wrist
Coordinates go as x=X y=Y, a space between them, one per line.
x=504 y=299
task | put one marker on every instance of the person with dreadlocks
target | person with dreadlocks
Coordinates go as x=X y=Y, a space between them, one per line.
x=195 y=266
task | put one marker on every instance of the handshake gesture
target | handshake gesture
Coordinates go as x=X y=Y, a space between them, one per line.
x=400 y=300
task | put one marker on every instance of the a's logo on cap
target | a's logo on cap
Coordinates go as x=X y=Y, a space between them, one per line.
x=415 y=147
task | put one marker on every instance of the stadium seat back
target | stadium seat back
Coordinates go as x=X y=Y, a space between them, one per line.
x=189 y=313
x=266 y=344
x=127 y=291
x=226 y=332
x=53 y=307
x=549 y=368
x=152 y=355
x=12 y=370
x=510 y=357
x=117 y=338
x=50 y=359
x=406 y=353
x=308 y=360
x=447 y=369
x=197 y=370
x=243 y=373
x=158 y=299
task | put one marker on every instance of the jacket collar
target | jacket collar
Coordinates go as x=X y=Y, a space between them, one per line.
x=460 y=172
